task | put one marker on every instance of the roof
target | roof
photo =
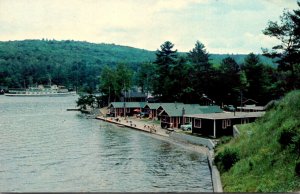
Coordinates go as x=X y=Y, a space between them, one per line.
x=227 y=115
x=249 y=100
x=133 y=94
x=259 y=108
x=177 y=110
x=206 y=98
x=127 y=104
x=157 y=105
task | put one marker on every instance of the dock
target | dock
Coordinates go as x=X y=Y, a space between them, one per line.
x=73 y=109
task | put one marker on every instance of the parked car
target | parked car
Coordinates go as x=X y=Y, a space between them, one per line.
x=186 y=127
x=142 y=115
x=229 y=108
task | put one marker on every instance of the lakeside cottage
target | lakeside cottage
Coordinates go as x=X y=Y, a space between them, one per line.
x=154 y=109
x=218 y=124
x=172 y=115
x=130 y=108
x=205 y=120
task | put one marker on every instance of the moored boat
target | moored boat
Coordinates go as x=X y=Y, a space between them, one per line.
x=41 y=90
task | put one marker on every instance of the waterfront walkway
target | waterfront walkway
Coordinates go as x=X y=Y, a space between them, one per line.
x=136 y=123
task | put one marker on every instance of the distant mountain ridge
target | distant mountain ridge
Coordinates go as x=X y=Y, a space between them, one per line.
x=109 y=53
x=34 y=61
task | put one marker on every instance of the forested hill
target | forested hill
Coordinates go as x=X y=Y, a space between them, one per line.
x=70 y=62
x=66 y=62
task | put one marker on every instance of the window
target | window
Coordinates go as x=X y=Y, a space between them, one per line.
x=187 y=119
x=197 y=123
x=228 y=123
x=127 y=110
x=164 y=119
x=245 y=120
x=224 y=124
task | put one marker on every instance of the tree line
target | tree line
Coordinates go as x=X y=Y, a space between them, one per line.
x=70 y=63
x=186 y=78
x=173 y=77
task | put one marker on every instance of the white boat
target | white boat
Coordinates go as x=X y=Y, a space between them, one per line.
x=41 y=90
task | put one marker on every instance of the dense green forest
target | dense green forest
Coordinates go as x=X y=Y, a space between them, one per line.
x=72 y=63
x=69 y=63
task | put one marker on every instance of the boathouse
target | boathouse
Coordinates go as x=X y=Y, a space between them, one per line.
x=218 y=124
x=172 y=115
x=129 y=108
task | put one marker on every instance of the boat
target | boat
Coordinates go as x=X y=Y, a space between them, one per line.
x=50 y=90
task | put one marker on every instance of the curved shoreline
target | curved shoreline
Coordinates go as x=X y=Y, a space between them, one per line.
x=202 y=149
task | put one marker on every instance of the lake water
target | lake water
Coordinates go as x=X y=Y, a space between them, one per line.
x=43 y=147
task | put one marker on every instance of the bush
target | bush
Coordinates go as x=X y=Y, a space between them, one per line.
x=224 y=140
x=297 y=169
x=286 y=138
x=226 y=159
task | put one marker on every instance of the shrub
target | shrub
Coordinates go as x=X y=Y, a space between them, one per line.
x=224 y=140
x=297 y=169
x=290 y=139
x=251 y=165
x=226 y=159
x=286 y=138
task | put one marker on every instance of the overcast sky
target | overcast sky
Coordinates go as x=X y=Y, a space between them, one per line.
x=223 y=26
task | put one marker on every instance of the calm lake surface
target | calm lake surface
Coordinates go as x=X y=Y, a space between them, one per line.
x=43 y=147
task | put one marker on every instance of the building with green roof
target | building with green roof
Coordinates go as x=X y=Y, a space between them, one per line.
x=172 y=116
x=155 y=108
x=125 y=108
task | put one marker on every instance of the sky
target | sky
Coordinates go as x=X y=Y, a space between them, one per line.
x=223 y=26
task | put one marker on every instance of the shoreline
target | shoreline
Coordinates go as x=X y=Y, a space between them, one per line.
x=164 y=135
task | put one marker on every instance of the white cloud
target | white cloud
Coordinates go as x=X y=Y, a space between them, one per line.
x=226 y=26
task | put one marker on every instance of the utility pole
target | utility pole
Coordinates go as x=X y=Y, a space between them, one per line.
x=124 y=101
x=108 y=95
x=241 y=101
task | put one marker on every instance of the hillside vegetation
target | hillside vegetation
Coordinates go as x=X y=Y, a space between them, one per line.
x=70 y=63
x=266 y=154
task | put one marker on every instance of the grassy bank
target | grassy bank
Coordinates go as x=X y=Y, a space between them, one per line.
x=266 y=153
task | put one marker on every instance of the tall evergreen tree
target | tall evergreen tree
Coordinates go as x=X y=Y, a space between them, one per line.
x=229 y=81
x=199 y=57
x=165 y=60
x=202 y=77
x=258 y=77
x=287 y=53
